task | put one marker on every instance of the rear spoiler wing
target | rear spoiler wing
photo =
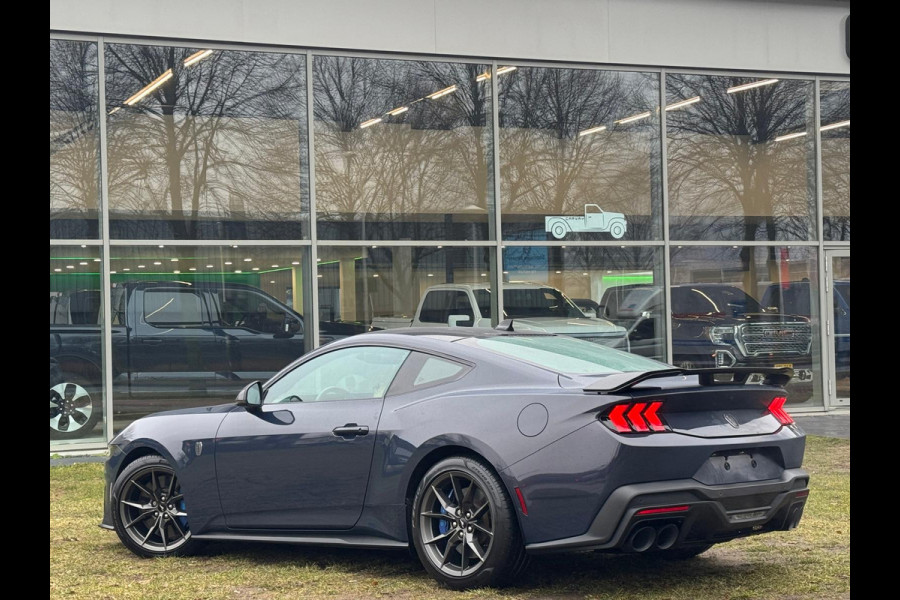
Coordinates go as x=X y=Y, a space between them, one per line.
x=618 y=382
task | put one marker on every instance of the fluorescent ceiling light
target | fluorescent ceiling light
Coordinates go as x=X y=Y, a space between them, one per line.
x=369 y=123
x=484 y=76
x=682 y=104
x=248 y=259
x=176 y=271
x=751 y=85
x=443 y=92
x=398 y=110
x=238 y=271
x=57 y=270
x=209 y=266
x=636 y=117
x=274 y=266
x=790 y=136
x=835 y=125
x=146 y=90
x=297 y=262
x=591 y=130
x=156 y=262
x=503 y=70
x=256 y=268
x=196 y=57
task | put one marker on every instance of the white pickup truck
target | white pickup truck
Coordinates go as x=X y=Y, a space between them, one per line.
x=595 y=220
x=532 y=306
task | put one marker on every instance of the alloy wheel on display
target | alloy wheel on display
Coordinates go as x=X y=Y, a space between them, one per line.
x=70 y=407
x=456 y=524
x=152 y=510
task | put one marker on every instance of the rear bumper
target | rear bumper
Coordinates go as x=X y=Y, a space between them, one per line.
x=715 y=513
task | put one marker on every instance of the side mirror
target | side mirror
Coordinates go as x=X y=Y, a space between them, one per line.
x=251 y=396
x=456 y=320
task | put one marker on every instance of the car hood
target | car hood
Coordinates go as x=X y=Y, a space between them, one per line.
x=566 y=326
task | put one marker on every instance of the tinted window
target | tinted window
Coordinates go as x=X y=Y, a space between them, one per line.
x=173 y=307
x=439 y=305
x=566 y=355
x=701 y=300
x=537 y=302
x=246 y=308
x=347 y=374
x=483 y=298
x=75 y=308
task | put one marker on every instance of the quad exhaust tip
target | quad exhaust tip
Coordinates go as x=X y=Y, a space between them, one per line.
x=666 y=536
x=642 y=539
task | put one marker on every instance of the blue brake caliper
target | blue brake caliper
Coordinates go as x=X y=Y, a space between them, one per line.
x=182 y=520
x=444 y=525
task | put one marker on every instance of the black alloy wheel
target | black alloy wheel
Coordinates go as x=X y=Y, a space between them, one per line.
x=464 y=525
x=149 y=512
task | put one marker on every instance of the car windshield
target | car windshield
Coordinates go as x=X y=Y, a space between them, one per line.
x=565 y=354
x=524 y=303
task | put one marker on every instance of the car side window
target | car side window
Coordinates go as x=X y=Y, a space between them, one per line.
x=174 y=308
x=424 y=370
x=439 y=305
x=358 y=373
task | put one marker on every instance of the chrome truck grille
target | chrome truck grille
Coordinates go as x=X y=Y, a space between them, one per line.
x=755 y=339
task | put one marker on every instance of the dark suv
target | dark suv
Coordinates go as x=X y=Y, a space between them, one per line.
x=720 y=325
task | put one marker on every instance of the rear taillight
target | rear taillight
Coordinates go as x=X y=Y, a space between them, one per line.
x=776 y=408
x=639 y=417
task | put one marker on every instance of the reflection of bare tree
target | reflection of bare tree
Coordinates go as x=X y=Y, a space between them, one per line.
x=547 y=168
x=835 y=108
x=221 y=139
x=728 y=177
x=411 y=171
x=74 y=136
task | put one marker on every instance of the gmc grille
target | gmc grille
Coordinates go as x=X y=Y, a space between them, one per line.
x=755 y=339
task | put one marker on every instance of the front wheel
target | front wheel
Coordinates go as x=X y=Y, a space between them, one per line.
x=149 y=513
x=464 y=526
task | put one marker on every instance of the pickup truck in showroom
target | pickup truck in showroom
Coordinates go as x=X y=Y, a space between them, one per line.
x=174 y=345
x=720 y=325
x=532 y=306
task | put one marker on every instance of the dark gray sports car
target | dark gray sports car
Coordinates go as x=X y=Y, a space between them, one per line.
x=477 y=447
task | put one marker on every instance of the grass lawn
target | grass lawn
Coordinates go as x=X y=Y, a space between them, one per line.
x=812 y=561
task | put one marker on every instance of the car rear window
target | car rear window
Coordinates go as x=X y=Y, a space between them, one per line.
x=565 y=354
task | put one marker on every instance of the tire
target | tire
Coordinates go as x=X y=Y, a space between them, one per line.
x=559 y=230
x=617 y=230
x=490 y=551
x=75 y=408
x=140 y=490
x=682 y=553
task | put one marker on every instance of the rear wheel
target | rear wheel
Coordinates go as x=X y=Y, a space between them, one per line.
x=559 y=230
x=464 y=526
x=149 y=513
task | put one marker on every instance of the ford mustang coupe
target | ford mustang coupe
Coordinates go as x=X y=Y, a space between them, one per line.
x=475 y=447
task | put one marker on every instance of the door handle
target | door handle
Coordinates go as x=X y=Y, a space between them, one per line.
x=350 y=430
x=151 y=341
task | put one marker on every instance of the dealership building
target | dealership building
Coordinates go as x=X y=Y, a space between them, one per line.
x=235 y=183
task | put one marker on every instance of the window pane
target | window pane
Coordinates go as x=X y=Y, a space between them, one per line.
x=580 y=154
x=206 y=144
x=741 y=158
x=74 y=140
x=435 y=369
x=835 y=133
x=346 y=374
x=192 y=325
x=403 y=149
x=76 y=348
x=749 y=307
x=566 y=355
x=382 y=287
x=580 y=291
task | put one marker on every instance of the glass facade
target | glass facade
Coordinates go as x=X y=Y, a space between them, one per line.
x=240 y=207
x=77 y=406
x=579 y=154
x=206 y=144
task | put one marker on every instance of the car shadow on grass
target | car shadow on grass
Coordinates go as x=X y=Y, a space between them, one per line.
x=559 y=574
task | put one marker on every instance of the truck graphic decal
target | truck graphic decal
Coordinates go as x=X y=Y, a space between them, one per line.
x=594 y=220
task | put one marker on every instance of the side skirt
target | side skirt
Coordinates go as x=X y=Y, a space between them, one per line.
x=309 y=539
